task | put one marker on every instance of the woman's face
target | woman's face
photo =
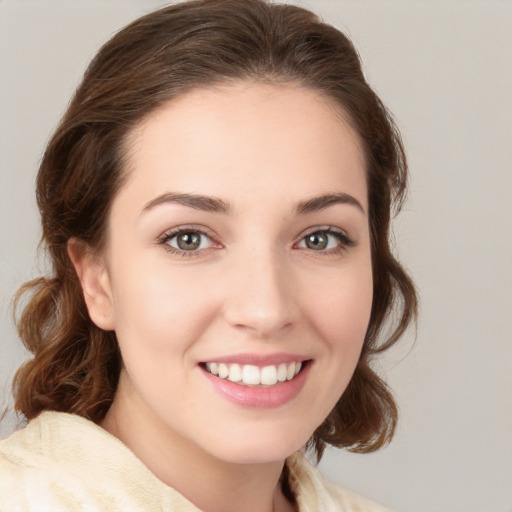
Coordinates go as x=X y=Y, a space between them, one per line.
x=237 y=248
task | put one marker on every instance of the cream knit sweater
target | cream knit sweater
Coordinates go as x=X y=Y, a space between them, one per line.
x=64 y=463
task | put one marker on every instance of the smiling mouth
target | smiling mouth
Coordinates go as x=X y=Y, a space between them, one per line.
x=252 y=375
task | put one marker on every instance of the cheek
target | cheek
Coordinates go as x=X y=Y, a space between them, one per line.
x=341 y=308
x=156 y=313
x=339 y=311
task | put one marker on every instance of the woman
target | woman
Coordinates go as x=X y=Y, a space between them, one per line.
x=216 y=205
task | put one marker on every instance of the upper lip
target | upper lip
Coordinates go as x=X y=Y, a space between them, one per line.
x=258 y=359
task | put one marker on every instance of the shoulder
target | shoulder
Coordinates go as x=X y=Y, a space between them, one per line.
x=29 y=476
x=315 y=493
x=63 y=462
x=351 y=501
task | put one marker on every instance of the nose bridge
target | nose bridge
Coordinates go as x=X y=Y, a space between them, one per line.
x=260 y=299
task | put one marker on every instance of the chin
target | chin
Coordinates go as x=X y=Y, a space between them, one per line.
x=258 y=454
x=259 y=445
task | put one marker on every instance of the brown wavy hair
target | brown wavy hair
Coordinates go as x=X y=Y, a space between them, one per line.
x=200 y=43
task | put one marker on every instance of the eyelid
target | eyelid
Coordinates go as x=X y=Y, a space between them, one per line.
x=346 y=241
x=168 y=234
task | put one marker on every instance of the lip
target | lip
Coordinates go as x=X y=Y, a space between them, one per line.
x=259 y=359
x=259 y=397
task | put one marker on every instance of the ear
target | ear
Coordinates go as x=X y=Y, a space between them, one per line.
x=94 y=278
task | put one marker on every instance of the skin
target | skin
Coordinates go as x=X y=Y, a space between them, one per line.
x=253 y=287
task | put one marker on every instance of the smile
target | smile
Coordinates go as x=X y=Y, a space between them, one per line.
x=259 y=385
x=252 y=375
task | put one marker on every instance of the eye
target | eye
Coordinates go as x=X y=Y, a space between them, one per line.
x=327 y=240
x=186 y=241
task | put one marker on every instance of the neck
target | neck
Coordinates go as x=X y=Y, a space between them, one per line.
x=211 y=484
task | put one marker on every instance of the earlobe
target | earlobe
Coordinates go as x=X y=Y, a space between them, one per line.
x=95 y=281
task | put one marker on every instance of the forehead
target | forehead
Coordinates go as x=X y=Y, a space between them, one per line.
x=246 y=139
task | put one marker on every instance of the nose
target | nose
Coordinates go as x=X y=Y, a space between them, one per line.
x=261 y=297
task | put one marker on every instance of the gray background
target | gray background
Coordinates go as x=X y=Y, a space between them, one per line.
x=445 y=69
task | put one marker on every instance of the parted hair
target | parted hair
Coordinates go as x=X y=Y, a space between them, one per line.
x=75 y=365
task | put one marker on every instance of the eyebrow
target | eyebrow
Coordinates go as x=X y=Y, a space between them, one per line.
x=198 y=202
x=217 y=205
x=324 y=201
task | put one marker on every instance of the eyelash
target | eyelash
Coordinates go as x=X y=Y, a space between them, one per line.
x=344 y=241
x=166 y=237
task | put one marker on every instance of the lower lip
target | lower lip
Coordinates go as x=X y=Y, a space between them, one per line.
x=260 y=397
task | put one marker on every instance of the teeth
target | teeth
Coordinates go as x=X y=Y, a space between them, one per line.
x=223 y=371
x=282 y=371
x=251 y=375
x=235 y=373
x=213 y=368
x=291 y=372
x=269 y=375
